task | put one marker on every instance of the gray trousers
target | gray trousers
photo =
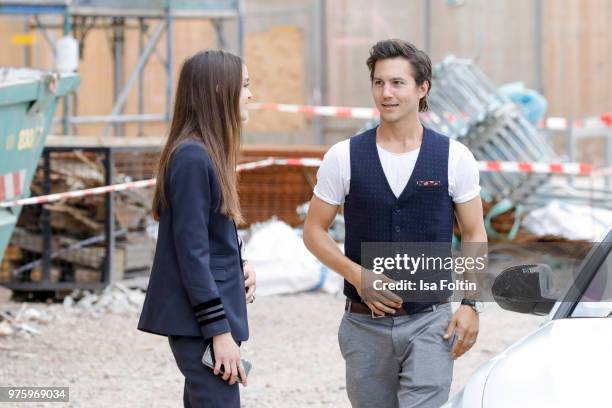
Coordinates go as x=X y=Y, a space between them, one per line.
x=397 y=361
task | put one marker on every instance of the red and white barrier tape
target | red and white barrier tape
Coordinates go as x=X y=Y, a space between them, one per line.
x=79 y=193
x=574 y=169
x=570 y=169
x=308 y=162
x=11 y=184
x=334 y=111
x=276 y=161
x=603 y=172
x=594 y=122
x=553 y=123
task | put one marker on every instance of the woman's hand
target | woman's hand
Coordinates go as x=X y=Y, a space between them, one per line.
x=227 y=354
x=249 y=282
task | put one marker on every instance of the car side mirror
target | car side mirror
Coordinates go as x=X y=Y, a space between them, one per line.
x=525 y=289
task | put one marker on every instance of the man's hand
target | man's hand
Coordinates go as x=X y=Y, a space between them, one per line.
x=464 y=323
x=227 y=354
x=320 y=216
x=249 y=282
x=380 y=302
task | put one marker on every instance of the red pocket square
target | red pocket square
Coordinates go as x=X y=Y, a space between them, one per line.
x=429 y=183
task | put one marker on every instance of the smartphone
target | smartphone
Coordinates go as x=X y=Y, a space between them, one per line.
x=208 y=359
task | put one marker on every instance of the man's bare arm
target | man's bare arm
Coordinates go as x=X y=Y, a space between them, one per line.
x=470 y=219
x=317 y=240
x=473 y=237
x=465 y=321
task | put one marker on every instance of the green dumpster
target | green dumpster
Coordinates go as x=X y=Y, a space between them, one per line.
x=28 y=99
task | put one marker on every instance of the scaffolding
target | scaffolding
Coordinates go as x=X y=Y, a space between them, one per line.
x=80 y=16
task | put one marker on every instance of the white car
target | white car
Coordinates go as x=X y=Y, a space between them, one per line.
x=567 y=361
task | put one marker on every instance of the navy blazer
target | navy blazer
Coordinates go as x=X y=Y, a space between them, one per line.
x=196 y=286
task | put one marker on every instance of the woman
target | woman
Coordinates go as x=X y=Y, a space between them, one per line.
x=196 y=293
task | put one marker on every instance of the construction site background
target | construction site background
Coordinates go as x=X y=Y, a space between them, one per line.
x=313 y=52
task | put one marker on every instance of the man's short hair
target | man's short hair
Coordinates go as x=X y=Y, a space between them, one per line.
x=418 y=59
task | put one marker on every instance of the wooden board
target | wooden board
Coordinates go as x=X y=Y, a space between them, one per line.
x=5 y=271
x=12 y=54
x=276 y=62
x=498 y=35
x=89 y=256
x=71 y=219
x=577 y=42
x=36 y=274
x=86 y=275
x=138 y=252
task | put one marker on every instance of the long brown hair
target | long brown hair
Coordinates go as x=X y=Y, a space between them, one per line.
x=207 y=109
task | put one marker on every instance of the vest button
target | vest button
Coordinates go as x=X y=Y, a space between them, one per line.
x=397 y=228
x=397 y=210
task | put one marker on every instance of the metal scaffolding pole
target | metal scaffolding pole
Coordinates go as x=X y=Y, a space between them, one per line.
x=141 y=34
x=221 y=41
x=122 y=97
x=426 y=26
x=66 y=124
x=27 y=49
x=319 y=20
x=539 y=83
x=169 y=66
x=118 y=53
x=240 y=28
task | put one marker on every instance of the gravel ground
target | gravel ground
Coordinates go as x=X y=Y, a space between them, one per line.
x=106 y=362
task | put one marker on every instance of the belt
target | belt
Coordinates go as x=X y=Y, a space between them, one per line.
x=361 y=308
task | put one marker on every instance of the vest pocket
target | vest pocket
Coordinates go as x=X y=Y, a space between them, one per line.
x=429 y=189
x=433 y=186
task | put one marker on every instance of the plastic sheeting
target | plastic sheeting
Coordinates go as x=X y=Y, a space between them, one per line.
x=283 y=264
x=532 y=104
x=570 y=221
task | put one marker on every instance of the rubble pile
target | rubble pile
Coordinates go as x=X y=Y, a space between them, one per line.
x=25 y=321
x=115 y=298
x=28 y=318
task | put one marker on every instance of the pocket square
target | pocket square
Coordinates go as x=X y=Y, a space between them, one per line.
x=428 y=183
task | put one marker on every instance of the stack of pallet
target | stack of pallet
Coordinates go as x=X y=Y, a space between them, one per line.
x=78 y=225
x=12 y=256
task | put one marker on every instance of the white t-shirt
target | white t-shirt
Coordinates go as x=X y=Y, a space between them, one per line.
x=334 y=175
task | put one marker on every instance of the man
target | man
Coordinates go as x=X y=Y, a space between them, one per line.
x=399 y=182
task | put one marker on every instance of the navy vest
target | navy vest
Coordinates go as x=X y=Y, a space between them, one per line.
x=423 y=212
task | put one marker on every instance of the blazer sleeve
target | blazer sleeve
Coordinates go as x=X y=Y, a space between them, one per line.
x=190 y=201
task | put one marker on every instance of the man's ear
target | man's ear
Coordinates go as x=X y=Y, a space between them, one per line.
x=217 y=88
x=424 y=87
